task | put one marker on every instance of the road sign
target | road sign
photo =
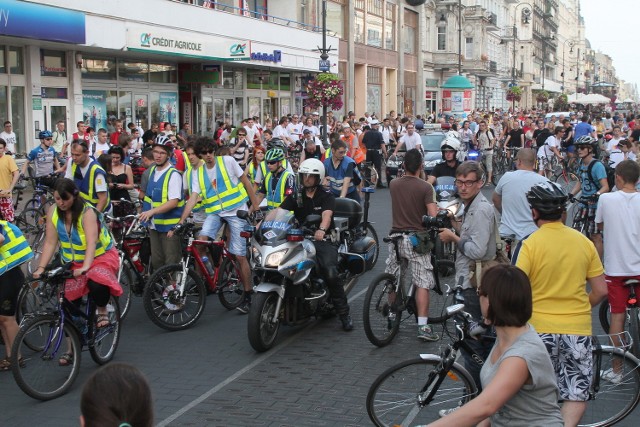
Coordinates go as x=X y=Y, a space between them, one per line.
x=512 y=84
x=325 y=65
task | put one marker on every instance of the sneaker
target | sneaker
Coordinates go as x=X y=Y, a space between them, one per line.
x=244 y=306
x=445 y=412
x=347 y=323
x=426 y=334
x=477 y=328
x=611 y=376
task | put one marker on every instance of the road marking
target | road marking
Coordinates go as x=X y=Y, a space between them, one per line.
x=239 y=373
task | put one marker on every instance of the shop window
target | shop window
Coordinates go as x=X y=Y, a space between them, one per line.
x=154 y=105
x=390 y=27
x=162 y=73
x=17 y=116
x=133 y=71
x=16 y=60
x=228 y=79
x=237 y=79
x=112 y=110
x=99 y=68
x=53 y=63
x=285 y=81
x=254 y=107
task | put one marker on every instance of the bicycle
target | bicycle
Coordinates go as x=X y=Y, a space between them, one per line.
x=567 y=176
x=175 y=295
x=414 y=391
x=42 y=194
x=632 y=320
x=47 y=335
x=389 y=295
x=584 y=219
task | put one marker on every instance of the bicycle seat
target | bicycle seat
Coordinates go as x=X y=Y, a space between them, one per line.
x=631 y=282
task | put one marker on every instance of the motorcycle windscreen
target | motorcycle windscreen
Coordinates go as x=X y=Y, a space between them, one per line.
x=273 y=229
x=445 y=188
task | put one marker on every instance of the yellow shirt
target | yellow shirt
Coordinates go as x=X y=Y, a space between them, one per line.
x=558 y=260
x=7 y=167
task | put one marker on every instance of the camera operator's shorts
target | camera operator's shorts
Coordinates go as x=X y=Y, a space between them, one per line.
x=572 y=360
x=420 y=265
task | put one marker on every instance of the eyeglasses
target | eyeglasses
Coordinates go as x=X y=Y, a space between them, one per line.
x=242 y=134
x=410 y=128
x=467 y=184
x=203 y=152
x=273 y=162
x=163 y=152
x=582 y=147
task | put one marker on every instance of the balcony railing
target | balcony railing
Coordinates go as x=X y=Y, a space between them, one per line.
x=259 y=13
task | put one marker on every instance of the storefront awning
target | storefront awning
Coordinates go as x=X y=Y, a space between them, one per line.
x=549 y=86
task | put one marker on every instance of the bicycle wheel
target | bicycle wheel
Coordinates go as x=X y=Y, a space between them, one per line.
x=604 y=313
x=632 y=315
x=164 y=304
x=230 y=288
x=393 y=399
x=103 y=342
x=381 y=321
x=31 y=222
x=445 y=270
x=39 y=373
x=614 y=399
x=371 y=232
x=566 y=180
x=37 y=246
x=126 y=279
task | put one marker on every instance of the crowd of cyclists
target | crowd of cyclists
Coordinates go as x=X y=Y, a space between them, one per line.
x=174 y=173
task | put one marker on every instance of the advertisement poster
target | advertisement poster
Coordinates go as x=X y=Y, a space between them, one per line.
x=94 y=108
x=169 y=107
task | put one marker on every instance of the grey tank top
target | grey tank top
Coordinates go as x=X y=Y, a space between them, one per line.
x=536 y=404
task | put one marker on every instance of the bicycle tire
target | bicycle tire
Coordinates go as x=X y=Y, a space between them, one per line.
x=30 y=222
x=371 y=231
x=566 y=180
x=103 y=342
x=41 y=376
x=634 y=330
x=127 y=279
x=604 y=311
x=37 y=246
x=230 y=287
x=392 y=399
x=614 y=401
x=445 y=269
x=379 y=329
x=165 y=307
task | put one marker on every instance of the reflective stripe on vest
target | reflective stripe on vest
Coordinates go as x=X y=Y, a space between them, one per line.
x=86 y=185
x=336 y=176
x=199 y=206
x=156 y=195
x=74 y=247
x=276 y=197
x=15 y=249
x=224 y=196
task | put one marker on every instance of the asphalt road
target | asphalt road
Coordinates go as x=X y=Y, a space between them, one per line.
x=317 y=375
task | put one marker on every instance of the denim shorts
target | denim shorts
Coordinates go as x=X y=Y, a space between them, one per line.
x=211 y=226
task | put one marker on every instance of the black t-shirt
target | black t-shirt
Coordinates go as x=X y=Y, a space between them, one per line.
x=635 y=134
x=373 y=140
x=322 y=201
x=515 y=140
x=568 y=133
x=540 y=136
x=315 y=154
x=443 y=169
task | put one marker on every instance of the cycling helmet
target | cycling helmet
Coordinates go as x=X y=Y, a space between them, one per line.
x=164 y=141
x=45 y=134
x=313 y=167
x=586 y=140
x=450 y=143
x=608 y=137
x=274 y=155
x=276 y=143
x=547 y=198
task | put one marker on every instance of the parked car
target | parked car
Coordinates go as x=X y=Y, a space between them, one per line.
x=432 y=155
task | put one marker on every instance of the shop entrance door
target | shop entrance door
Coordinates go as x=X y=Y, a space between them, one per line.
x=215 y=110
x=58 y=109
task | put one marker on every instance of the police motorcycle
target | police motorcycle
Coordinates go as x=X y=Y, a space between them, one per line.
x=283 y=260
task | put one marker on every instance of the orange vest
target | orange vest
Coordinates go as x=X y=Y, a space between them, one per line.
x=359 y=156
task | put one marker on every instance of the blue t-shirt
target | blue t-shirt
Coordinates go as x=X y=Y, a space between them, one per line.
x=582 y=129
x=598 y=172
x=42 y=160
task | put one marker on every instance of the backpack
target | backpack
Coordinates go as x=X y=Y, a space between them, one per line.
x=611 y=174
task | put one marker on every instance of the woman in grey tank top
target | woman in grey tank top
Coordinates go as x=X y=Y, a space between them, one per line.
x=519 y=385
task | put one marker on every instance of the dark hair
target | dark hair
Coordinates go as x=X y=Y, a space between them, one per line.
x=105 y=161
x=470 y=166
x=269 y=131
x=66 y=189
x=116 y=149
x=115 y=394
x=3 y=142
x=509 y=293
x=338 y=144
x=7 y=123
x=558 y=129
x=413 y=160
x=147 y=152
x=204 y=143
x=629 y=171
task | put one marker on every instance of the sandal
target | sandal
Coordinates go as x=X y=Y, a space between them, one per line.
x=5 y=364
x=66 y=359
x=102 y=321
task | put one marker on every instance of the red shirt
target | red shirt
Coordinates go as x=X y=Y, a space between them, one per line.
x=113 y=138
x=86 y=137
x=180 y=164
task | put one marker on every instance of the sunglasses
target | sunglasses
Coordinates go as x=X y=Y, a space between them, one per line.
x=203 y=152
x=242 y=134
x=273 y=162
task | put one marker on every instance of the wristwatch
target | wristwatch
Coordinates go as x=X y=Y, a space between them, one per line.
x=322 y=229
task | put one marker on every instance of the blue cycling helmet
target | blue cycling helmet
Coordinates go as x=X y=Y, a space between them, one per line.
x=45 y=134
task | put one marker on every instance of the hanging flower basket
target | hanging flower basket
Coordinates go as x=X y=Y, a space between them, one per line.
x=514 y=93
x=542 y=96
x=325 y=89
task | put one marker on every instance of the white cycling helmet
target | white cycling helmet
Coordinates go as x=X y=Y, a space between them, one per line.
x=450 y=143
x=313 y=167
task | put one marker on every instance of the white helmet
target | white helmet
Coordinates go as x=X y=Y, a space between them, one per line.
x=450 y=143
x=313 y=167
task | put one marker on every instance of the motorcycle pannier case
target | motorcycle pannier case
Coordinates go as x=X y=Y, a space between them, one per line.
x=347 y=208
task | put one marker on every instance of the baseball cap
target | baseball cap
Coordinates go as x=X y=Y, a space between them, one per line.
x=306 y=131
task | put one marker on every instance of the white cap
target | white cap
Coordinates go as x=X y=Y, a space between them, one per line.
x=375 y=122
x=315 y=113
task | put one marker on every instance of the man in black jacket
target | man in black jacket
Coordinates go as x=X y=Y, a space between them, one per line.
x=376 y=148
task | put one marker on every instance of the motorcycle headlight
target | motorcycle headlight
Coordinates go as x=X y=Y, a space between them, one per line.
x=274 y=259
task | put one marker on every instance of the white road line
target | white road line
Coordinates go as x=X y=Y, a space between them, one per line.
x=239 y=373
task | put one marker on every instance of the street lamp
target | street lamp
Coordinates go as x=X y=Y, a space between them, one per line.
x=564 y=45
x=526 y=13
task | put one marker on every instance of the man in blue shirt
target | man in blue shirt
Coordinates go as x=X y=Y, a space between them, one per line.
x=342 y=177
x=583 y=128
x=44 y=160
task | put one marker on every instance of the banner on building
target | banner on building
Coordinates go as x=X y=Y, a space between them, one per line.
x=94 y=108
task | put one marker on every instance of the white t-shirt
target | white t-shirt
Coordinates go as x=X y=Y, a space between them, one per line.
x=314 y=129
x=545 y=150
x=613 y=143
x=101 y=149
x=10 y=139
x=101 y=184
x=234 y=171
x=295 y=131
x=620 y=213
x=280 y=132
x=386 y=132
x=617 y=156
x=411 y=141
